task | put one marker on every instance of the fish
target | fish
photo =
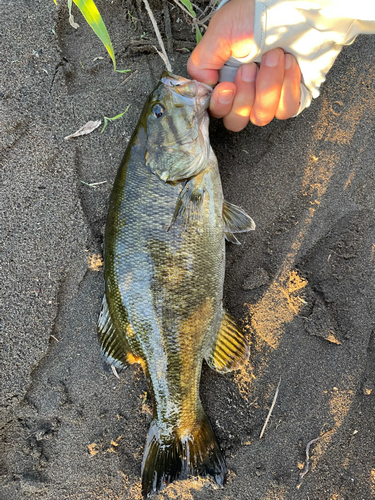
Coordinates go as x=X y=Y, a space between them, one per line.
x=164 y=265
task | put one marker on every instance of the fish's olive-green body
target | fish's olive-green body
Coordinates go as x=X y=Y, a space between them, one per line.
x=164 y=266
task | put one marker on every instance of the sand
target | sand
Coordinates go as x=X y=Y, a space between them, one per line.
x=301 y=285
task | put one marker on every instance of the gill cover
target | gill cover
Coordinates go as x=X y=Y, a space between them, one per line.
x=178 y=145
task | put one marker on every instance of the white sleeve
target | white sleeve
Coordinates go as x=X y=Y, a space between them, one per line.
x=314 y=31
x=361 y=10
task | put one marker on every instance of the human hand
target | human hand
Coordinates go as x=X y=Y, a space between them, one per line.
x=256 y=95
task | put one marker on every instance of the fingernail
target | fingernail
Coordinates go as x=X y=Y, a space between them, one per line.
x=249 y=72
x=288 y=61
x=225 y=96
x=272 y=58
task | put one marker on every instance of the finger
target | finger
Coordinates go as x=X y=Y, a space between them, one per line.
x=239 y=115
x=222 y=99
x=268 y=87
x=212 y=51
x=208 y=57
x=229 y=34
x=291 y=91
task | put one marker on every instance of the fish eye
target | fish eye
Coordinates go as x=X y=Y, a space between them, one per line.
x=158 y=110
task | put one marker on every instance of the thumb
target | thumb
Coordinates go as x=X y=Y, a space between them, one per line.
x=230 y=33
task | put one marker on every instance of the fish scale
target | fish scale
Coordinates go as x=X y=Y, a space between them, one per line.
x=164 y=272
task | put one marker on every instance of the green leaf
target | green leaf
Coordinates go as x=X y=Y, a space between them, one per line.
x=107 y=120
x=198 y=34
x=119 y=116
x=123 y=70
x=93 y=17
x=189 y=7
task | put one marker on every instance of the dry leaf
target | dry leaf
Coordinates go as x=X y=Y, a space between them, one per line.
x=72 y=22
x=86 y=129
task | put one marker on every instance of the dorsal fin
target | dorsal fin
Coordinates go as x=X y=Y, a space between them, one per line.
x=114 y=348
x=231 y=350
x=236 y=220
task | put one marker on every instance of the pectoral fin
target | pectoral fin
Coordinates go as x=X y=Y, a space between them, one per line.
x=231 y=350
x=189 y=205
x=115 y=349
x=236 y=220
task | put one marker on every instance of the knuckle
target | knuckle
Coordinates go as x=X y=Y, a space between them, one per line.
x=261 y=118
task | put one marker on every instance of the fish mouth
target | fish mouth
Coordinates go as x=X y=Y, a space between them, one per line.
x=191 y=90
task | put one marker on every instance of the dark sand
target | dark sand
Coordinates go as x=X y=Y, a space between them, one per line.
x=302 y=284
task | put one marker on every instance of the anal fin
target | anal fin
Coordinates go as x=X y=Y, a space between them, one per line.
x=231 y=350
x=114 y=348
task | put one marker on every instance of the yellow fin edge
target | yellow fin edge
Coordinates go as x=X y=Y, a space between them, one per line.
x=231 y=349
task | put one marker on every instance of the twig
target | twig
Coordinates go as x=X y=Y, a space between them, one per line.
x=207 y=18
x=168 y=29
x=196 y=6
x=211 y=6
x=183 y=8
x=129 y=77
x=140 y=15
x=92 y=184
x=196 y=20
x=308 y=461
x=157 y=32
x=162 y=56
x=269 y=413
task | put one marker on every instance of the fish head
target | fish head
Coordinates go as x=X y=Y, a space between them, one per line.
x=176 y=125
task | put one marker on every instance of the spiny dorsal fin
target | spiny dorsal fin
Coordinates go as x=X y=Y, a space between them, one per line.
x=236 y=220
x=231 y=350
x=114 y=347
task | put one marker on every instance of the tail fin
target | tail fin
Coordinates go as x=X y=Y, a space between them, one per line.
x=178 y=457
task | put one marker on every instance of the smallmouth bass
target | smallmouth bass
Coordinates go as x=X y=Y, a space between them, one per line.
x=164 y=262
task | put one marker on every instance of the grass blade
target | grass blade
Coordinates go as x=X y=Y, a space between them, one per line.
x=198 y=34
x=107 y=120
x=93 y=17
x=120 y=115
x=189 y=7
